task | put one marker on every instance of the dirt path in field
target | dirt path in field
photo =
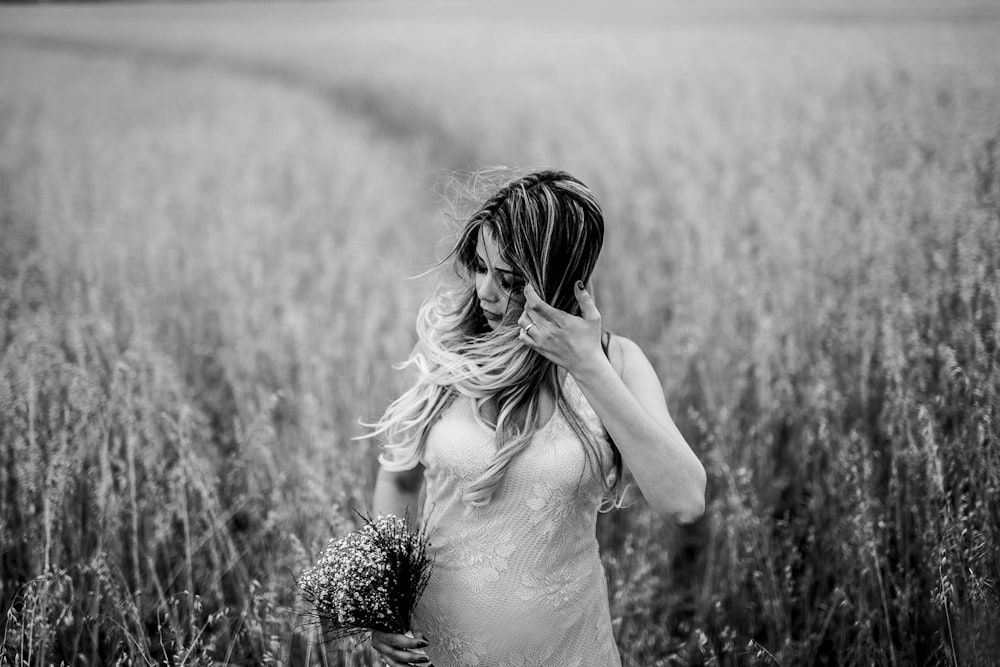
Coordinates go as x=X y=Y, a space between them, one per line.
x=390 y=117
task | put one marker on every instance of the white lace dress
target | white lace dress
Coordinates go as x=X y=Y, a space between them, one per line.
x=518 y=581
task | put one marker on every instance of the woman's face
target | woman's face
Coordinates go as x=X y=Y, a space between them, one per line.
x=498 y=286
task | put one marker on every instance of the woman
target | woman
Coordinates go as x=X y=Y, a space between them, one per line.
x=521 y=419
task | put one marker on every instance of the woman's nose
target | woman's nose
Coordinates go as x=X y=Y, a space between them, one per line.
x=485 y=288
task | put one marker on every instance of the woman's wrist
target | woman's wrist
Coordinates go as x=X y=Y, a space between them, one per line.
x=593 y=371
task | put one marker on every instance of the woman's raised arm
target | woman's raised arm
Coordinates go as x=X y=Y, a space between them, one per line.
x=662 y=463
x=628 y=399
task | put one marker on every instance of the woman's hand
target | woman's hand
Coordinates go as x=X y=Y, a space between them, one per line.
x=571 y=342
x=399 y=650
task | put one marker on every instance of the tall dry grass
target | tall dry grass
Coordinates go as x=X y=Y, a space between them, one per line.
x=192 y=265
x=205 y=234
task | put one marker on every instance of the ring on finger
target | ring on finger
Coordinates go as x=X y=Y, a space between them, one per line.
x=528 y=327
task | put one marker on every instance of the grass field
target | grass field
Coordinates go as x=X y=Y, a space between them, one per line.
x=209 y=216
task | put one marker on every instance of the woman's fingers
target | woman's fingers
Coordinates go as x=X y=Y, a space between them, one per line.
x=394 y=647
x=525 y=338
x=538 y=308
x=403 y=657
x=394 y=640
x=586 y=301
x=541 y=311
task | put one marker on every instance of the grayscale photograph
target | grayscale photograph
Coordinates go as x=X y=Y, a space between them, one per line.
x=500 y=333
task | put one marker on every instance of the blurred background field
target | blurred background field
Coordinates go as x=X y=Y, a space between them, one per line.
x=209 y=220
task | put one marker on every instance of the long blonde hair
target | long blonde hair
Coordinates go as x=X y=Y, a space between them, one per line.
x=549 y=228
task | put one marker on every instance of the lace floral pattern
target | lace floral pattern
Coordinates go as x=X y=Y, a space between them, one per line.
x=551 y=507
x=519 y=581
x=558 y=589
x=479 y=555
x=449 y=648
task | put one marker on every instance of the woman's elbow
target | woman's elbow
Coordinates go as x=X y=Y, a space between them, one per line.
x=692 y=512
x=688 y=506
x=696 y=502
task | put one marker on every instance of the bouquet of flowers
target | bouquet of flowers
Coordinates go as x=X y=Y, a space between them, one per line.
x=370 y=579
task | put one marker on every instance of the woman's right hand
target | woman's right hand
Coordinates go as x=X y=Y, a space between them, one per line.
x=398 y=650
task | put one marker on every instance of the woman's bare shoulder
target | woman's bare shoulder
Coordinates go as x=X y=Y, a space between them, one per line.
x=623 y=353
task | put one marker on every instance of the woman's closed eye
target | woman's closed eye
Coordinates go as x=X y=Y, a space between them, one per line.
x=509 y=282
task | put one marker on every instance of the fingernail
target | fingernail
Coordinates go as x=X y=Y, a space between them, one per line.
x=423 y=643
